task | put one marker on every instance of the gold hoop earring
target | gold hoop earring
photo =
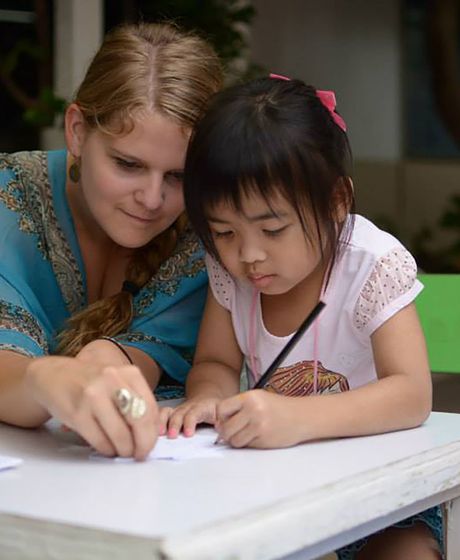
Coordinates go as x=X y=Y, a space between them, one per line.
x=74 y=172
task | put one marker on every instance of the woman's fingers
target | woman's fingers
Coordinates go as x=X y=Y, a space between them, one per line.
x=90 y=430
x=97 y=419
x=85 y=400
x=141 y=415
x=114 y=426
x=145 y=431
x=131 y=430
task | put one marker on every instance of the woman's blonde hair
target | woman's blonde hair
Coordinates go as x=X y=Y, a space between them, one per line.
x=140 y=67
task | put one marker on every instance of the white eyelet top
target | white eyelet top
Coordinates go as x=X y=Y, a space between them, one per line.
x=392 y=276
x=375 y=278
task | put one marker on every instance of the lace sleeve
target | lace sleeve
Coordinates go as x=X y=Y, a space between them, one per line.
x=389 y=287
x=220 y=281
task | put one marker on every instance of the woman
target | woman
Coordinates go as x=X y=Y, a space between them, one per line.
x=94 y=244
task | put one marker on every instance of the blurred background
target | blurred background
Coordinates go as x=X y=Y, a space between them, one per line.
x=394 y=65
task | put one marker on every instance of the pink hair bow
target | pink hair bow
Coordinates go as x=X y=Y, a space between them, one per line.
x=279 y=77
x=327 y=98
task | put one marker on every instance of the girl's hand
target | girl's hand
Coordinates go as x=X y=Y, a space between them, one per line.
x=257 y=418
x=187 y=415
x=81 y=396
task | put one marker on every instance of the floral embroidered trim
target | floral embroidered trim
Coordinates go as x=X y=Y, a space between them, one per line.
x=393 y=275
x=168 y=392
x=186 y=261
x=17 y=349
x=29 y=194
x=15 y=318
x=140 y=337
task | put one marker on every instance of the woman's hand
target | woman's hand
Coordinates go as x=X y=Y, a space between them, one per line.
x=82 y=396
x=257 y=418
x=187 y=415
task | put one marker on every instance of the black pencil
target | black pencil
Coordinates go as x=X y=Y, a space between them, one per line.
x=289 y=345
x=285 y=351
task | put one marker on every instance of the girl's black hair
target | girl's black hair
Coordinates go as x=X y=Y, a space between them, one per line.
x=270 y=137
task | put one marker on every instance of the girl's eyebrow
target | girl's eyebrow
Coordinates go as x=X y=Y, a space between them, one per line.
x=257 y=218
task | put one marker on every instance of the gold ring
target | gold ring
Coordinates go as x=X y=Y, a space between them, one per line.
x=129 y=404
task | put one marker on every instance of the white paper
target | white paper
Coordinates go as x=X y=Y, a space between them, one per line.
x=9 y=462
x=202 y=444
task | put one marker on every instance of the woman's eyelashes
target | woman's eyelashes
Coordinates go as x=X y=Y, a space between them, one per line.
x=171 y=177
x=127 y=165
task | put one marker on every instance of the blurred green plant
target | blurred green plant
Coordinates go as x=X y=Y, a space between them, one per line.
x=47 y=108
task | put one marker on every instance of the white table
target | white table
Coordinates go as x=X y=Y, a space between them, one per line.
x=249 y=505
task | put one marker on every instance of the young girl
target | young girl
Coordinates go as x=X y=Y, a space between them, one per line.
x=268 y=190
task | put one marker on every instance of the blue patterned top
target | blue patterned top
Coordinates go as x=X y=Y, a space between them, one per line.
x=42 y=277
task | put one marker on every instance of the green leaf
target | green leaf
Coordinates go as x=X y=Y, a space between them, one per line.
x=47 y=107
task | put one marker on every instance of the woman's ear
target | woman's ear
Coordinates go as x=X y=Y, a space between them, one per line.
x=343 y=199
x=75 y=129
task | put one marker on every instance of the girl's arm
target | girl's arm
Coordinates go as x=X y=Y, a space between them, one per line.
x=217 y=365
x=401 y=398
x=215 y=374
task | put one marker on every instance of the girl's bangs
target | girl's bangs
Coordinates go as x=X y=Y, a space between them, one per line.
x=243 y=169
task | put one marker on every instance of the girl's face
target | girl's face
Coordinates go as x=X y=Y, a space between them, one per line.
x=264 y=245
x=131 y=186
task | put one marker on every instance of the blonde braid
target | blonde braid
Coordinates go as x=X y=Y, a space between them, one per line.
x=113 y=315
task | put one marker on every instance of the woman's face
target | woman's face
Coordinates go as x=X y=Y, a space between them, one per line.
x=130 y=186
